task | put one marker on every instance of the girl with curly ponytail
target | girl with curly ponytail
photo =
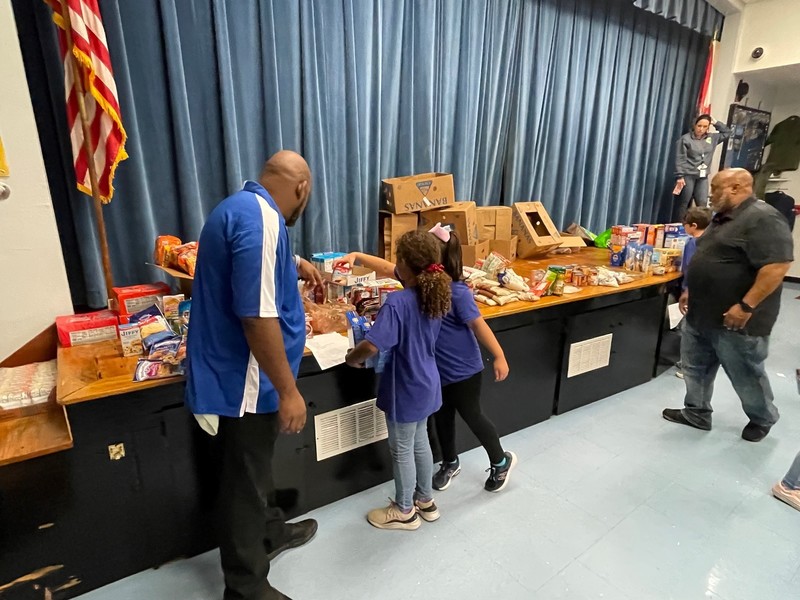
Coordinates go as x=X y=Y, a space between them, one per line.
x=410 y=389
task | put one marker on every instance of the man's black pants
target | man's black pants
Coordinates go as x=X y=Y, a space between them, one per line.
x=248 y=527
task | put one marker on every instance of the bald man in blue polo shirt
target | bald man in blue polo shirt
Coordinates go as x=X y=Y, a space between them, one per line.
x=246 y=340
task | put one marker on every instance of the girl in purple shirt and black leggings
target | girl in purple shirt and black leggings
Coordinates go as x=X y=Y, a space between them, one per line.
x=409 y=391
x=460 y=366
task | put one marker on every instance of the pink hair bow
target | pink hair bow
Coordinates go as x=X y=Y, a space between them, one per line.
x=440 y=232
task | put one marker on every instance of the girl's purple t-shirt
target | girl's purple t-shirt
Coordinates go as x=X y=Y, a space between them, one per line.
x=409 y=390
x=458 y=355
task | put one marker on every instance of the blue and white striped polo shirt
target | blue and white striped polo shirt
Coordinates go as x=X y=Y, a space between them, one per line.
x=245 y=268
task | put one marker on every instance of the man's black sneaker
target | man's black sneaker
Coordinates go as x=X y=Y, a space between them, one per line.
x=445 y=474
x=499 y=476
x=299 y=534
x=754 y=433
x=675 y=415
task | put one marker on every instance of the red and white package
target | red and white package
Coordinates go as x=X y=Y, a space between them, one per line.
x=89 y=328
x=136 y=298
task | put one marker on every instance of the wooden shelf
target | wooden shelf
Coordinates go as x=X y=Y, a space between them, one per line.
x=40 y=429
x=35 y=435
x=98 y=370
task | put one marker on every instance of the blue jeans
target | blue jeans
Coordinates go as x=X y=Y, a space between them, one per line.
x=742 y=356
x=792 y=479
x=412 y=462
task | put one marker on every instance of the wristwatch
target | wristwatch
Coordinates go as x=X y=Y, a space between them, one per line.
x=746 y=307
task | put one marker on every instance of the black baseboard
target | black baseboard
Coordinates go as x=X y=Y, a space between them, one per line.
x=792 y=279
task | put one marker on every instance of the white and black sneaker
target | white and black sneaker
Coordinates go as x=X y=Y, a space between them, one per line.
x=499 y=476
x=445 y=474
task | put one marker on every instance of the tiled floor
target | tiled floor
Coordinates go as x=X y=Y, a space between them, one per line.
x=609 y=501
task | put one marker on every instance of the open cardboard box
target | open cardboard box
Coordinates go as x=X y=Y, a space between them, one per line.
x=462 y=217
x=506 y=248
x=391 y=228
x=572 y=241
x=474 y=252
x=536 y=231
x=184 y=279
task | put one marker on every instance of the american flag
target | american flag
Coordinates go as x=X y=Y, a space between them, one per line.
x=704 y=100
x=100 y=95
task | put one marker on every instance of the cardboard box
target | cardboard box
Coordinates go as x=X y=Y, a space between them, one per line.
x=323 y=261
x=184 y=279
x=89 y=328
x=572 y=241
x=494 y=222
x=471 y=254
x=357 y=276
x=462 y=218
x=677 y=242
x=131 y=339
x=675 y=229
x=391 y=228
x=132 y=299
x=652 y=235
x=506 y=248
x=340 y=285
x=415 y=193
x=668 y=258
x=536 y=231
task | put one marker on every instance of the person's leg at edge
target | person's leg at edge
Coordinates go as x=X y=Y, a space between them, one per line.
x=792 y=478
x=245 y=518
x=788 y=489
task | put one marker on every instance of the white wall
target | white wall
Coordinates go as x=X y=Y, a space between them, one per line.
x=33 y=280
x=761 y=94
x=787 y=103
x=773 y=25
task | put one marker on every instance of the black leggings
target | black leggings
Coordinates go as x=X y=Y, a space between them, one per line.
x=465 y=397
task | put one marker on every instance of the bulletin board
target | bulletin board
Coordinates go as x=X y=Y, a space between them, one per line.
x=746 y=145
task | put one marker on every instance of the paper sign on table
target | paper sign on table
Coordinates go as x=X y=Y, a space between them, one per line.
x=329 y=349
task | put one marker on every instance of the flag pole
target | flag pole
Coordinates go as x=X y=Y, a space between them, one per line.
x=87 y=147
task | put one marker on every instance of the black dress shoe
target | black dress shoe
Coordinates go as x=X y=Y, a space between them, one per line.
x=299 y=534
x=754 y=433
x=675 y=415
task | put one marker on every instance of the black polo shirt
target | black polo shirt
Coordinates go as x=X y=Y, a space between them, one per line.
x=729 y=254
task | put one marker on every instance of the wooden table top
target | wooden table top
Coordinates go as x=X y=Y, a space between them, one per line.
x=592 y=257
x=99 y=370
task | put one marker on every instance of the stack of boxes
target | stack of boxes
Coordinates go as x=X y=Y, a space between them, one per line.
x=418 y=202
x=403 y=199
x=494 y=225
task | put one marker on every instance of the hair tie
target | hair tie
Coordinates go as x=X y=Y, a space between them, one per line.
x=435 y=268
x=440 y=232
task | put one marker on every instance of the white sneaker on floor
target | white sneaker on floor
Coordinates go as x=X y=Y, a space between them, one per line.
x=784 y=494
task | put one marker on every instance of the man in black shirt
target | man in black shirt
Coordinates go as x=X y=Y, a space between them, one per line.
x=731 y=304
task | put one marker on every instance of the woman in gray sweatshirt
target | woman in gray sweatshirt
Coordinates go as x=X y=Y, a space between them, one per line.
x=693 y=154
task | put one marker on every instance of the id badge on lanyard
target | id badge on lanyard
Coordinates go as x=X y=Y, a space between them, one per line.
x=703 y=171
